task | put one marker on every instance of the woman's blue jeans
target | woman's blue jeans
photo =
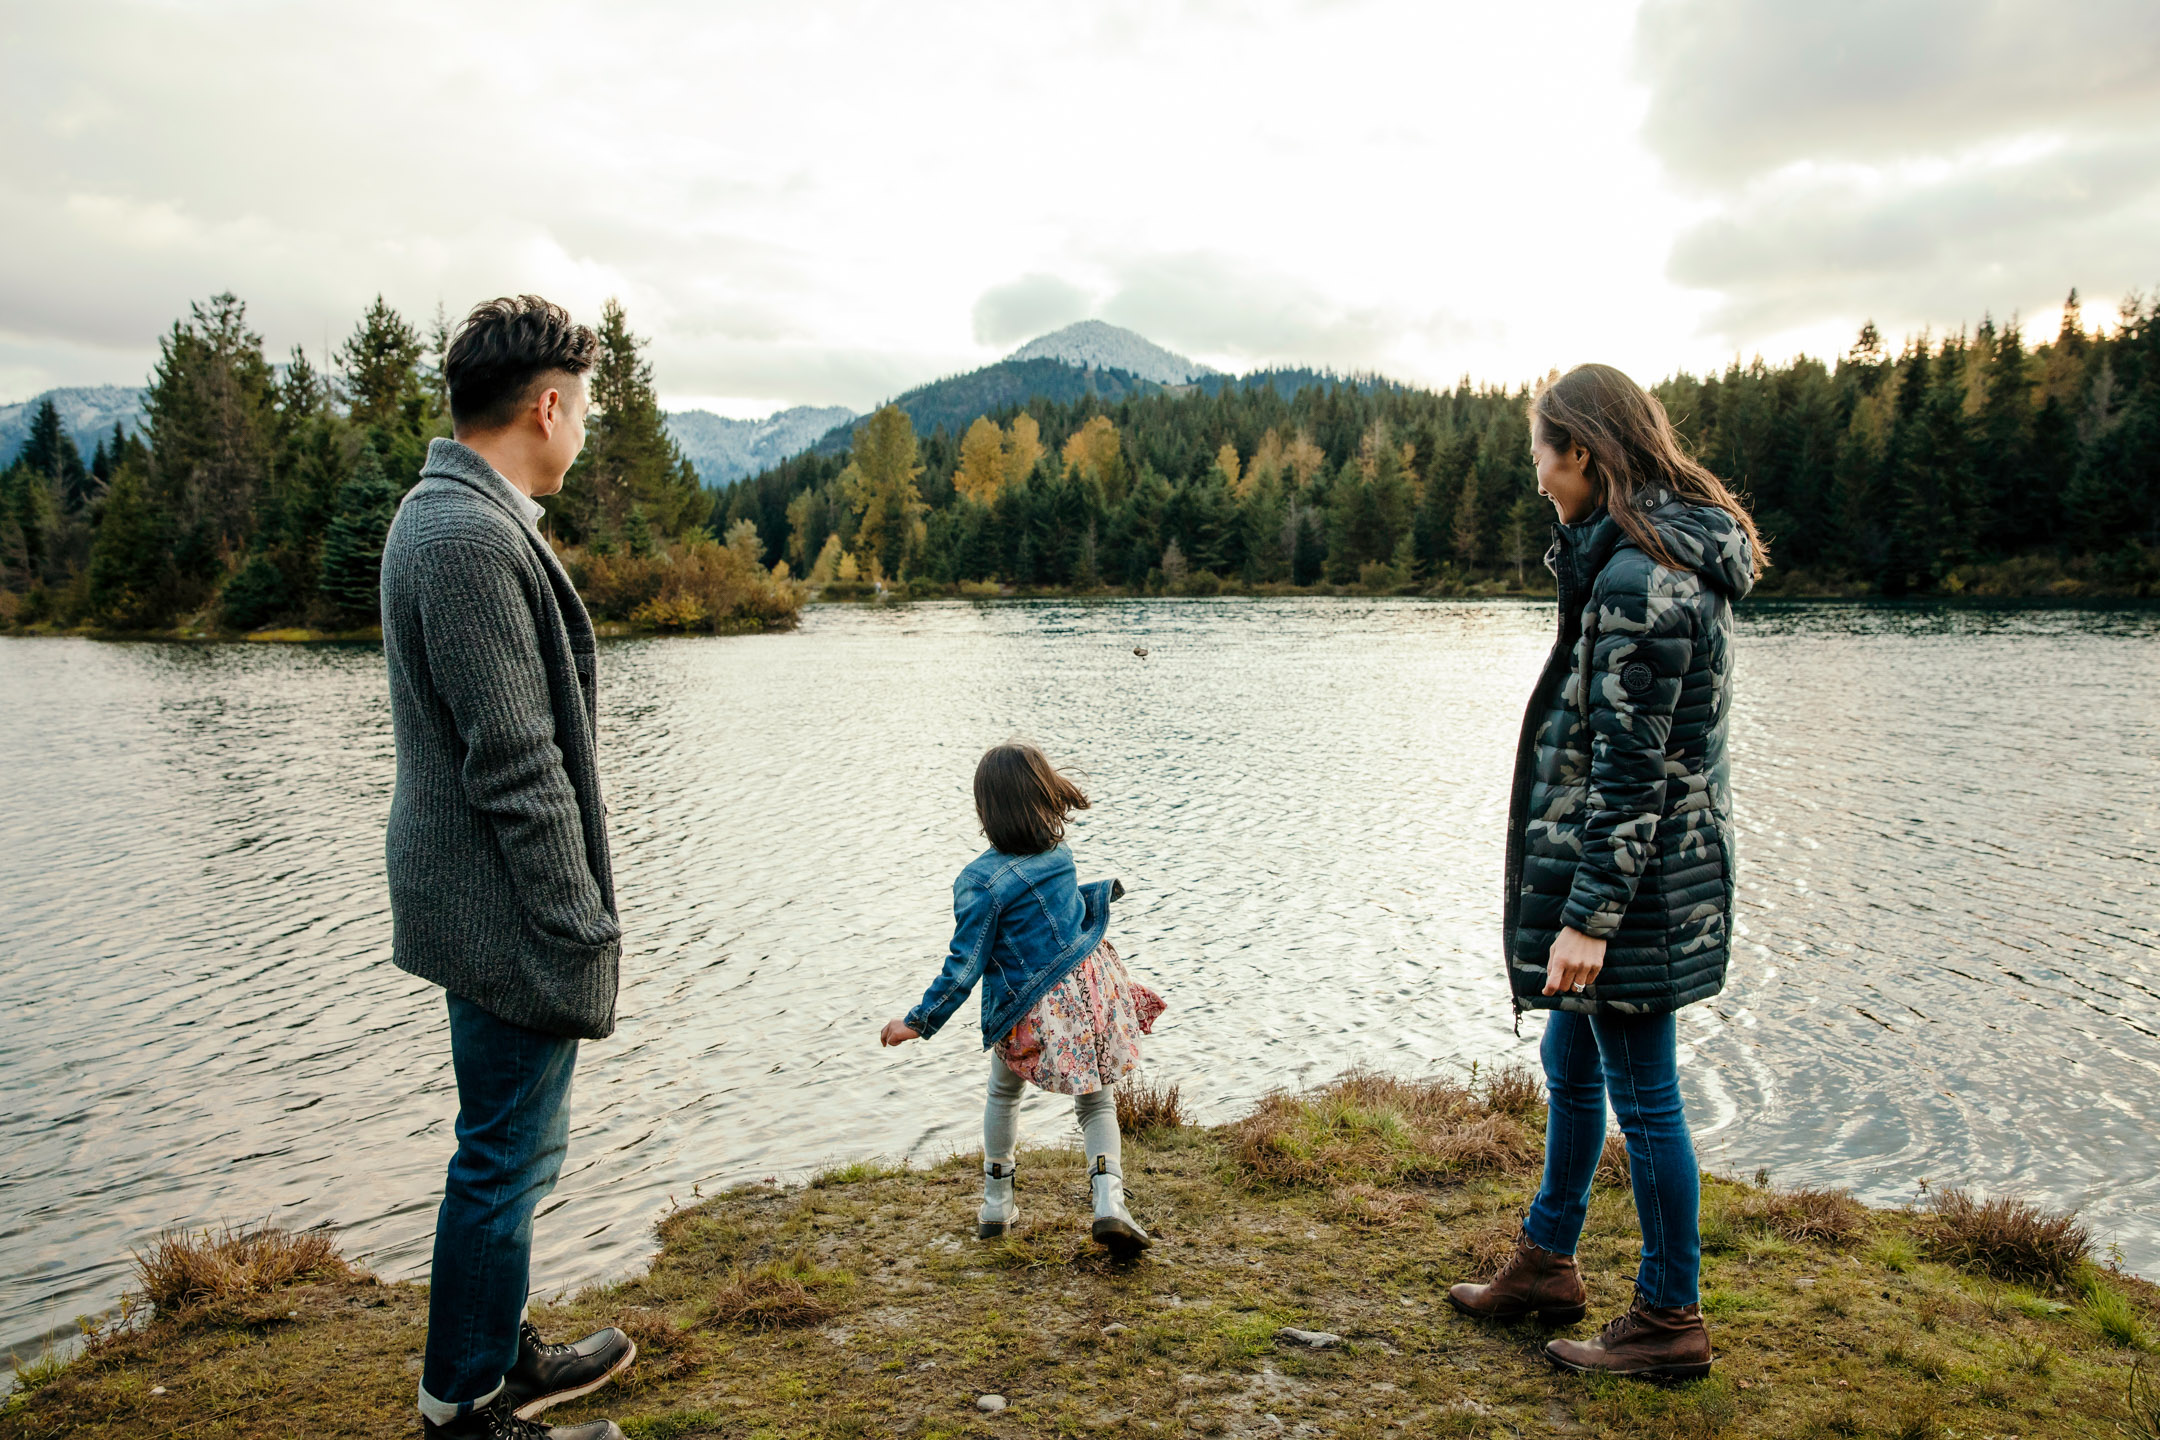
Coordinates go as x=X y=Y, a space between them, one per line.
x=1632 y=1059
x=513 y=1127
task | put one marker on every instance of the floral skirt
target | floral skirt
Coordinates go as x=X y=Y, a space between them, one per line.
x=1084 y=1034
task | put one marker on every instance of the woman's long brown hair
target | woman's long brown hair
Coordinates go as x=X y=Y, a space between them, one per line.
x=1631 y=448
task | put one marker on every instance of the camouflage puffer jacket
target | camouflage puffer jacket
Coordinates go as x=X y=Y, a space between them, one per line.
x=1620 y=823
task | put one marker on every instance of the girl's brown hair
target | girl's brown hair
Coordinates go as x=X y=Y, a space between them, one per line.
x=1021 y=799
x=1630 y=448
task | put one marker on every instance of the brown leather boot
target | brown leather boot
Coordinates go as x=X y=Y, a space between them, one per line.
x=1647 y=1343
x=1532 y=1279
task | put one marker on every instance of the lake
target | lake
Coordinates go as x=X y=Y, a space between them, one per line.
x=1949 y=936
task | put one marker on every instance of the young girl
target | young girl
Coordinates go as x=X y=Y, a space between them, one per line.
x=1058 y=1010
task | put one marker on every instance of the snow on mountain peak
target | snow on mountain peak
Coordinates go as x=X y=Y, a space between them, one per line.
x=1102 y=346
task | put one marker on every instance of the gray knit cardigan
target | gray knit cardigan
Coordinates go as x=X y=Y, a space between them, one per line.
x=500 y=888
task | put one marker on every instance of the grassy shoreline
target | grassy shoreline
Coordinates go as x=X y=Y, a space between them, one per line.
x=859 y=1304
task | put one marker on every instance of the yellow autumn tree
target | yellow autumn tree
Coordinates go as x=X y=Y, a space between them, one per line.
x=1373 y=441
x=1023 y=448
x=879 y=483
x=1226 y=460
x=982 y=462
x=1304 y=459
x=1095 y=453
x=992 y=459
x=826 y=569
x=1266 y=467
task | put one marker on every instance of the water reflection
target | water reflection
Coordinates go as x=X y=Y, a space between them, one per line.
x=1948 y=970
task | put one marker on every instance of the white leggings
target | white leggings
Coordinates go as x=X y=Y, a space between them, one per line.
x=1097 y=1114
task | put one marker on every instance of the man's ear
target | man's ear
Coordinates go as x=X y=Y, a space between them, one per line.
x=549 y=411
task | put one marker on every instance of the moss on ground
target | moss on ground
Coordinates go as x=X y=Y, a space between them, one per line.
x=861 y=1306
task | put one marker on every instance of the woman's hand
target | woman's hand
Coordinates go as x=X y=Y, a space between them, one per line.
x=896 y=1032
x=1573 y=962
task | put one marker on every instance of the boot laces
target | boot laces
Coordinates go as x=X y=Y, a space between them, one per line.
x=1518 y=1257
x=530 y=1334
x=504 y=1424
x=1618 y=1328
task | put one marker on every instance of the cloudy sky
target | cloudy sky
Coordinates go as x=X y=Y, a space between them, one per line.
x=827 y=202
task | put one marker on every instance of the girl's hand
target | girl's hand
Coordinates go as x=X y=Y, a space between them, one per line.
x=896 y=1032
x=1573 y=962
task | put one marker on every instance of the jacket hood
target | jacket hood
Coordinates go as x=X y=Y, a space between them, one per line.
x=1706 y=540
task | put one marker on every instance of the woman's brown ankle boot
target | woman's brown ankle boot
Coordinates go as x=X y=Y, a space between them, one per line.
x=1532 y=1279
x=1647 y=1342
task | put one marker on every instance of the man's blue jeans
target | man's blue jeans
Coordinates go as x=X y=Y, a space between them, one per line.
x=513 y=1127
x=1630 y=1058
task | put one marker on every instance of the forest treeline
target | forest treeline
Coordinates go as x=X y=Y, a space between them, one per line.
x=1972 y=463
x=258 y=495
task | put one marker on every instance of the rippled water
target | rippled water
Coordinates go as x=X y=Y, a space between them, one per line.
x=1949 y=891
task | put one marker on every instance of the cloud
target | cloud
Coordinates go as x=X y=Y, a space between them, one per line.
x=1739 y=88
x=1030 y=306
x=1983 y=237
x=309 y=157
x=1214 y=305
x=1913 y=163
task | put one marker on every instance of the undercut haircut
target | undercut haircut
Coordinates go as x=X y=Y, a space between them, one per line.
x=1022 y=801
x=503 y=353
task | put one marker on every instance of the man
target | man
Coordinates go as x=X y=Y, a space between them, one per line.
x=500 y=889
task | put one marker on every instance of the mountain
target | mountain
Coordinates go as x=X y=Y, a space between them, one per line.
x=956 y=401
x=1090 y=358
x=1094 y=345
x=724 y=450
x=88 y=412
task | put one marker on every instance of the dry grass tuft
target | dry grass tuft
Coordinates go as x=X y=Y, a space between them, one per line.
x=1143 y=1105
x=2008 y=1239
x=654 y=1330
x=1829 y=1217
x=1488 y=1249
x=665 y=1349
x=183 y=1269
x=1612 y=1166
x=1515 y=1089
x=779 y=1295
x=1370 y=1128
x=1367 y=1207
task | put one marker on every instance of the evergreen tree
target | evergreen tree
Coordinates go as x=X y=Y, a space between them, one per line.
x=210 y=414
x=389 y=391
x=630 y=461
x=27 y=520
x=435 y=373
x=381 y=365
x=50 y=451
x=260 y=594
x=351 y=582
x=1522 y=533
x=131 y=579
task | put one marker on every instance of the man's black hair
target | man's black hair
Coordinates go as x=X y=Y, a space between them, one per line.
x=501 y=353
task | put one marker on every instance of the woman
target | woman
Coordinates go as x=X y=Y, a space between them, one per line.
x=1620 y=851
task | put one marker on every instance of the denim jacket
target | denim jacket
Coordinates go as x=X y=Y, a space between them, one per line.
x=1020 y=923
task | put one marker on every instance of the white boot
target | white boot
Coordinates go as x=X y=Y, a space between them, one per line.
x=1114 y=1225
x=999 y=1209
